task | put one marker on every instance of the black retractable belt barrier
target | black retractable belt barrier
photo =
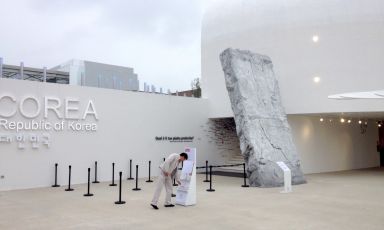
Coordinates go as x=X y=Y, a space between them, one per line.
x=56 y=185
x=210 y=180
x=113 y=175
x=206 y=172
x=89 y=183
x=245 y=178
x=149 y=172
x=130 y=170
x=220 y=166
x=120 y=201
x=137 y=174
x=69 y=181
x=96 y=181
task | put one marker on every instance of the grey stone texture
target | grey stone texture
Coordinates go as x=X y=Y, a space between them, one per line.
x=261 y=123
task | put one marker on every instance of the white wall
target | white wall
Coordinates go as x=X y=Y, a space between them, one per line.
x=348 y=57
x=127 y=126
x=333 y=146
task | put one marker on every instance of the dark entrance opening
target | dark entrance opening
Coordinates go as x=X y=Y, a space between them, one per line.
x=380 y=143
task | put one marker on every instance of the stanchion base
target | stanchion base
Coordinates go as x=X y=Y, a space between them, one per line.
x=96 y=182
x=173 y=195
x=69 y=189
x=136 y=189
x=206 y=180
x=88 y=194
x=245 y=186
x=175 y=185
x=210 y=190
x=130 y=178
x=55 y=185
x=113 y=185
x=149 y=181
x=120 y=202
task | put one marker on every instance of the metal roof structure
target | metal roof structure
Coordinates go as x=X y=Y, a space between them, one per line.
x=33 y=74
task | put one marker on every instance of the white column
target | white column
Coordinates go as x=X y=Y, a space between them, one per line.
x=1 y=67
x=45 y=74
x=22 y=70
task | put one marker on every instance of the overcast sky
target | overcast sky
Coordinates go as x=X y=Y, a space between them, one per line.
x=160 y=39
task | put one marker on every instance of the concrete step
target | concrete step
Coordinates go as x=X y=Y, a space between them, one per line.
x=234 y=161
x=241 y=158
x=235 y=169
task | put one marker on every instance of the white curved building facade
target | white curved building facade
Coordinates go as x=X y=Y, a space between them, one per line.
x=318 y=48
x=337 y=42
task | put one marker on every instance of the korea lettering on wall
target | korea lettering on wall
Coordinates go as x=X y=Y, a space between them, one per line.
x=29 y=121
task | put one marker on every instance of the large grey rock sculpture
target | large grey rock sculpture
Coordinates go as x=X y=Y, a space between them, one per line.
x=261 y=123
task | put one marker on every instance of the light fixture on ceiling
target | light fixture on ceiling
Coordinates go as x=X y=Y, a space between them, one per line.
x=342 y=120
x=360 y=122
x=315 y=38
x=349 y=121
x=316 y=79
x=321 y=119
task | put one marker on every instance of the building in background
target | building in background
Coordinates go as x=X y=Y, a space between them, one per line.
x=185 y=93
x=33 y=74
x=82 y=73
x=87 y=73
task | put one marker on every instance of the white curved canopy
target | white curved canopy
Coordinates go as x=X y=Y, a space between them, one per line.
x=379 y=94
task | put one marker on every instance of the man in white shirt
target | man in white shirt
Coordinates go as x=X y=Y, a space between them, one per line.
x=168 y=169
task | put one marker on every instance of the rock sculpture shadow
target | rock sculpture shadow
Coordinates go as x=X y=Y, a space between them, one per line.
x=261 y=123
